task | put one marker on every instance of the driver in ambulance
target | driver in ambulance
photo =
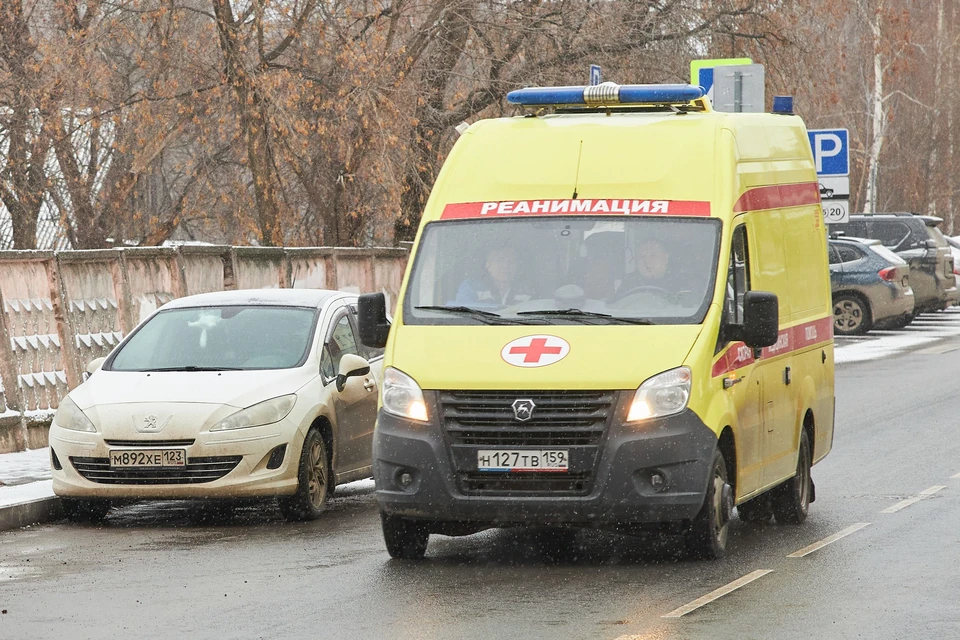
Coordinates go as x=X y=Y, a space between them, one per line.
x=651 y=268
x=498 y=284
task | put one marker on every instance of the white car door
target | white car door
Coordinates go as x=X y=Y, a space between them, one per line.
x=356 y=406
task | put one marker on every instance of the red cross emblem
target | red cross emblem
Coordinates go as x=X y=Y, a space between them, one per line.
x=535 y=351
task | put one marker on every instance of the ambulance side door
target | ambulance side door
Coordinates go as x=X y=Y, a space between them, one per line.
x=744 y=383
x=769 y=273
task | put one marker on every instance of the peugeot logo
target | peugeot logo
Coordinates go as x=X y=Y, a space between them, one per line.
x=523 y=409
x=150 y=423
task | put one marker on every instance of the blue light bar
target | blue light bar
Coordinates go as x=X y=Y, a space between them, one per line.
x=606 y=94
x=783 y=105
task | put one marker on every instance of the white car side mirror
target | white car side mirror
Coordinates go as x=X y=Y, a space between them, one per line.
x=93 y=367
x=351 y=366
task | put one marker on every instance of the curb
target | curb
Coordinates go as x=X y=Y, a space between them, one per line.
x=33 y=512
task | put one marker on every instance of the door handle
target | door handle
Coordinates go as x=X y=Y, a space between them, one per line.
x=369 y=384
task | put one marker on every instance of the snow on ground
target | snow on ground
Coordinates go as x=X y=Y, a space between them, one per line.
x=24 y=493
x=24 y=466
x=875 y=345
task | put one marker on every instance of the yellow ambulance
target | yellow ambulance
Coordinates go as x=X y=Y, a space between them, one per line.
x=616 y=315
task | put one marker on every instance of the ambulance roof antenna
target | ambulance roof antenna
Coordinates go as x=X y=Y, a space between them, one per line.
x=576 y=178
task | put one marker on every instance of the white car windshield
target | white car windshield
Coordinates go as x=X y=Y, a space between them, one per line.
x=218 y=339
x=649 y=270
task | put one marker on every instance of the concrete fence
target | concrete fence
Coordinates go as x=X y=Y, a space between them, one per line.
x=63 y=309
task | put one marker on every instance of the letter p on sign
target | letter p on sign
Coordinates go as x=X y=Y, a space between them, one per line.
x=831 y=151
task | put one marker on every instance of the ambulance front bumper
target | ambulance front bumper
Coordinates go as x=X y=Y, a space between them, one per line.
x=639 y=474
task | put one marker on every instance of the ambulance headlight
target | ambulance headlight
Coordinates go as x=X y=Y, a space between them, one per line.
x=662 y=395
x=402 y=396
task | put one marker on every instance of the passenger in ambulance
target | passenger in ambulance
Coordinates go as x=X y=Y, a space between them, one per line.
x=498 y=285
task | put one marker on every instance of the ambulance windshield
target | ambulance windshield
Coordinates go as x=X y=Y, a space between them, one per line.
x=564 y=270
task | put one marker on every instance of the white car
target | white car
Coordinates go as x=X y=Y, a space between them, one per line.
x=954 y=243
x=223 y=395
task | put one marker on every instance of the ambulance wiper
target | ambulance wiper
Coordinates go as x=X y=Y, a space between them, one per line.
x=487 y=317
x=579 y=313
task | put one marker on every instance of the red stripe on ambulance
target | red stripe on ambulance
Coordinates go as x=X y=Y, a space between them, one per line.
x=778 y=196
x=575 y=207
x=794 y=338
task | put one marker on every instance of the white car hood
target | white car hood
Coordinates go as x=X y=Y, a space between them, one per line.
x=237 y=389
x=176 y=404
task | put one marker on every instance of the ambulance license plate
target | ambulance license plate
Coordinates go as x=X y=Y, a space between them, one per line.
x=523 y=460
x=148 y=457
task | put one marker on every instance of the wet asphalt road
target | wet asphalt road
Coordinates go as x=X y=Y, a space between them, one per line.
x=171 y=569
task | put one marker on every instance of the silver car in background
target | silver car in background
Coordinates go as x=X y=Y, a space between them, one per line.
x=871 y=286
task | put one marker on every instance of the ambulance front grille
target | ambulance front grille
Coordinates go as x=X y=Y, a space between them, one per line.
x=575 y=421
x=558 y=418
x=533 y=483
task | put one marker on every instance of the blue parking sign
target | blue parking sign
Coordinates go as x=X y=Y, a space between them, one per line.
x=831 y=151
x=596 y=76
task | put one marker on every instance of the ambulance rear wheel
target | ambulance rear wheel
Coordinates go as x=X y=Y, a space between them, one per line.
x=707 y=536
x=405 y=539
x=851 y=315
x=791 y=500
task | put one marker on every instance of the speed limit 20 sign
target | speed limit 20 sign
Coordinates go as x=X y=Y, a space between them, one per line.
x=835 y=198
x=836 y=211
x=831 y=153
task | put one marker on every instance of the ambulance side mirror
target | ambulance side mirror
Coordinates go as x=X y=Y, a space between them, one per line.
x=372 y=320
x=761 y=319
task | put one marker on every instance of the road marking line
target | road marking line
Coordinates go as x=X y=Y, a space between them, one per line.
x=828 y=540
x=923 y=495
x=717 y=593
x=955 y=476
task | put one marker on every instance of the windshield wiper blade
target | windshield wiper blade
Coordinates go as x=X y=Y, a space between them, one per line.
x=459 y=309
x=580 y=313
x=193 y=368
x=487 y=317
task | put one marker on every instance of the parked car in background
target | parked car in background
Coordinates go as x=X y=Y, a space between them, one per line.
x=917 y=240
x=955 y=250
x=871 y=286
x=238 y=394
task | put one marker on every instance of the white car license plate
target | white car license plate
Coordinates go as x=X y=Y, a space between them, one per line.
x=522 y=460
x=148 y=457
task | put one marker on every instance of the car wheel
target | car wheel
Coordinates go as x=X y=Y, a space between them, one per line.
x=707 y=536
x=405 y=539
x=758 y=510
x=851 y=315
x=84 y=510
x=791 y=500
x=314 y=478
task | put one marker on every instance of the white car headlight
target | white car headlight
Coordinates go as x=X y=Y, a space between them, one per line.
x=266 y=412
x=402 y=396
x=664 y=394
x=69 y=416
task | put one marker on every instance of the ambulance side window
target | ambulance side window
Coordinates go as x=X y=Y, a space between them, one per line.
x=738 y=276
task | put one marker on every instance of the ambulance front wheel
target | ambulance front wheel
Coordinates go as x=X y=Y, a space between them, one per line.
x=707 y=536
x=405 y=539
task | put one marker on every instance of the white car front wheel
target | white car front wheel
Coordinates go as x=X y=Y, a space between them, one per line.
x=314 y=478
